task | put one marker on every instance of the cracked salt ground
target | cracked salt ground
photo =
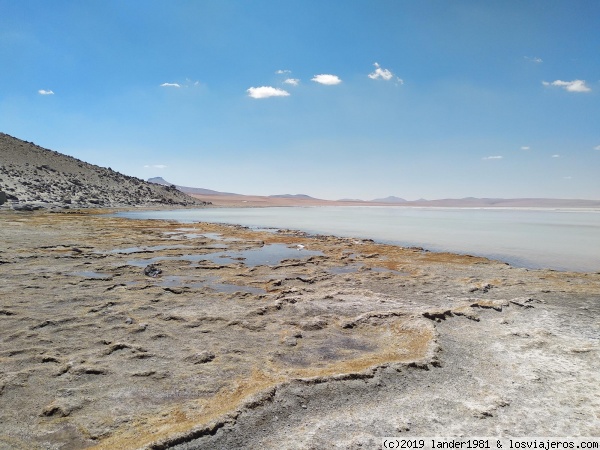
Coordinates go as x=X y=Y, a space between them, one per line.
x=352 y=268
x=385 y=270
x=144 y=249
x=338 y=359
x=340 y=270
x=214 y=283
x=91 y=274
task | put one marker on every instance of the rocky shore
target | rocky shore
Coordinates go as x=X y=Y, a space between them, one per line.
x=152 y=334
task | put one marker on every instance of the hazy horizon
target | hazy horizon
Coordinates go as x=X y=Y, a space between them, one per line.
x=300 y=194
x=329 y=99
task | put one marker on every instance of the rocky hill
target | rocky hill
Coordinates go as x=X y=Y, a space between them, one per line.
x=33 y=177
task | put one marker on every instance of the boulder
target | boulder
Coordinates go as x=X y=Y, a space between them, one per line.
x=152 y=271
x=2 y=198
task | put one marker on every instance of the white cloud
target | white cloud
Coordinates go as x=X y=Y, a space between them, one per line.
x=280 y=72
x=597 y=147
x=45 y=92
x=292 y=81
x=266 y=92
x=155 y=166
x=177 y=85
x=329 y=80
x=534 y=59
x=384 y=74
x=525 y=147
x=492 y=157
x=556 y=156
x=571 y=86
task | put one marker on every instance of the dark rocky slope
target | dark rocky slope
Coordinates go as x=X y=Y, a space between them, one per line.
x=33 y=177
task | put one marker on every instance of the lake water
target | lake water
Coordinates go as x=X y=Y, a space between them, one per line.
x=533 y=238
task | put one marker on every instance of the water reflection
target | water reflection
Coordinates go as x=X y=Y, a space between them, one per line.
x=269 y=254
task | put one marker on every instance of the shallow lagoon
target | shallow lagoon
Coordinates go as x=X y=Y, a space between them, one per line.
x=532 y=238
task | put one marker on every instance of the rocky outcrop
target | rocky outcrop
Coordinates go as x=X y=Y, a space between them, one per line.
x=32 y=177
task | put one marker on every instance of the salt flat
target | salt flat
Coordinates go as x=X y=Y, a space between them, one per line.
x=341 y=341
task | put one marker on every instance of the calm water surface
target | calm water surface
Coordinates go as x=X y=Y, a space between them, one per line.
x=555 y=239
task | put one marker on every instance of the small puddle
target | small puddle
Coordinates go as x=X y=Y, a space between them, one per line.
x=273 y=254
x=214 y=236
x=218 y=237
x=270 y=254
x=178 y=281
x=180 y=235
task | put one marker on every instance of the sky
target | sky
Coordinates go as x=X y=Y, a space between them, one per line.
x=335 y=99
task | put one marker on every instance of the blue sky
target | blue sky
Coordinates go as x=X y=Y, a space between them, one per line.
x=335 y=99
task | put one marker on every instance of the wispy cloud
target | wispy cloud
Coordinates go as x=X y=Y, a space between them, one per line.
x=327 y=79
x=155 y=166
x=283 y=71
x=597 y=147
x=384 y=74
x=45 y=92
x=525 y=147
x=188 y=83
x=571 y=86
x=492 y=157
x=266 y=92
x=534 y=59
x=556 y=156
x=292 y=81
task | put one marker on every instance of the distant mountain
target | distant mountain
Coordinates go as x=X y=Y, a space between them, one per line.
x=297 y=196
x=33 y=177
x=159 y=180
x=390 y=199
x=472 y=202
x=350 y=200
x=187 y=190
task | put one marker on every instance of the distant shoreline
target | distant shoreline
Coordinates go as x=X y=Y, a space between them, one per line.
x=243 y=201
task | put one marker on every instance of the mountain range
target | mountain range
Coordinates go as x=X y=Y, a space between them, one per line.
x=231 y=199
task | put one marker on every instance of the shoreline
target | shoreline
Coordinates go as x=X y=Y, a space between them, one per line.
x=572 y=257
x=86 y=332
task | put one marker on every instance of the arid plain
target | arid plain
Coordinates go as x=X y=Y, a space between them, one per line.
x=278 y=339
